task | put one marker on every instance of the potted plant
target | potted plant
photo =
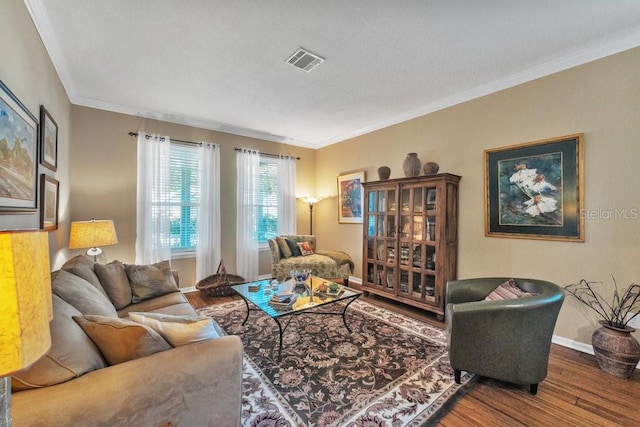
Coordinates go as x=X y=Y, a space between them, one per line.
x=617 y=351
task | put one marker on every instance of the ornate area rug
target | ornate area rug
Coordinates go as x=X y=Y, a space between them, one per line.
x=390 y=371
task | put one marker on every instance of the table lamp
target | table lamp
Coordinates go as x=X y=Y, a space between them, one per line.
x=25 y=306
x=311 y=201
x=92 y=234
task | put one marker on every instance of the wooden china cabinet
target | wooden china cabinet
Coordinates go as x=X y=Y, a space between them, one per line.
x=411 y=239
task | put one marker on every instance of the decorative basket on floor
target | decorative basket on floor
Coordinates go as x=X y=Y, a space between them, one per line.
x=219 y=284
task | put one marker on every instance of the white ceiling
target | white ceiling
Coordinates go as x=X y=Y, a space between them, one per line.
x=221 y=64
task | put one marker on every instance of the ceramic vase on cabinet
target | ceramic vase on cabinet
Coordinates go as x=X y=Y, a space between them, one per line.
x=430 y=168
x=384 y=172
x=411 y=165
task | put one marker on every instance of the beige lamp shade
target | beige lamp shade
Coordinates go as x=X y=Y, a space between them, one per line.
x=92 y=234
x=25 y=299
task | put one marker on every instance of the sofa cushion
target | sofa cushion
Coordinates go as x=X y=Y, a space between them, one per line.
x=163 y=303
x=305 y=248
x=178 y=330
x=82 y=295
x=83 y=266
x=149 y=281
x=508 y=290
x=120 y=340
x=72 y=353
x=115 y=282
x=284 y=247
x=293 y=246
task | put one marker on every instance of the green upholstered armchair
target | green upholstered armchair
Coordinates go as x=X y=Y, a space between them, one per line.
x=507 y=340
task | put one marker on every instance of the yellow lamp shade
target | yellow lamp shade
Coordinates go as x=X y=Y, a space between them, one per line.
x=92 y=234
x=25 y=299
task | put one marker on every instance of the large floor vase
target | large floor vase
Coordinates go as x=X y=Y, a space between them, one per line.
x=617 y=351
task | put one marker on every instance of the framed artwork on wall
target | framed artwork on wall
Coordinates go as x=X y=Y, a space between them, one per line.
x=535 y=190
x=350 y=200
x=18 y=154
x=48 y=140
x=48 y=203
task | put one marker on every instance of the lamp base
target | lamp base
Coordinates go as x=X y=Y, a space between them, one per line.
x=5 y=401
x=97 y=255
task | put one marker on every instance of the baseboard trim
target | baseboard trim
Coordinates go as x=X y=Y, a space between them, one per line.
x=576 y=345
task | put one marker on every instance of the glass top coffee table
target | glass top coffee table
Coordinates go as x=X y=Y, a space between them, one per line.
x=289 y=299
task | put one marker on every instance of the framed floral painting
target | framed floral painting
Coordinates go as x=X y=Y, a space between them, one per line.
x=350 y=198
x=535 y=190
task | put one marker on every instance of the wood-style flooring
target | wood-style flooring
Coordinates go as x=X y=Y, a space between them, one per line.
x=575 y=392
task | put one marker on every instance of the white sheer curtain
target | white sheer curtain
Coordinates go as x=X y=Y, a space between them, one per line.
x=248 y=164
x=286 y=195
x=153 y=242
x=208 y=250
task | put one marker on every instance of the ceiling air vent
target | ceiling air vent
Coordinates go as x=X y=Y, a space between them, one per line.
x=305 y=60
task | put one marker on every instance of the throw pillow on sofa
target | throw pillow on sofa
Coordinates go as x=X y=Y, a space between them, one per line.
x=149 y=281
x=83 y=266
x=305 y=248
x=120 y=340
x=71 y=355
x=82 y=295
x=178 y=330
x=284 y=247
x=293 y=246
x=115 y=282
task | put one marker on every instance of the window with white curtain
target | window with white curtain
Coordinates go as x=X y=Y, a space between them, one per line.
x=184 y=199
x=267 y=209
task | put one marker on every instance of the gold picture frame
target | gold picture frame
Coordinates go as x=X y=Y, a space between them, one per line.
x=350 y=198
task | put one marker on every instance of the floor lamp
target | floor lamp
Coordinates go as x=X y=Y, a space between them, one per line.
x=25 y=307
x=311 y=201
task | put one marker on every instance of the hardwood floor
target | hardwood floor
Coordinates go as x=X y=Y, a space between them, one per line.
x=575 y=392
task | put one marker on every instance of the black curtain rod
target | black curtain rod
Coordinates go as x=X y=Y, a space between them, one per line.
x=267 y=154
x=199 y=143
x=173 y=140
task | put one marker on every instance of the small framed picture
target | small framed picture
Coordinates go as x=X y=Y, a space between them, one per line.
x=350 y=198
x=48 y=140
x=48 y=203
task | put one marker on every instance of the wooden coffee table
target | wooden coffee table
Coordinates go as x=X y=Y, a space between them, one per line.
x=308 y=300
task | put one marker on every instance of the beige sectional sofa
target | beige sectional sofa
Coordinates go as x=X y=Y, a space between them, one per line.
x=112 y=371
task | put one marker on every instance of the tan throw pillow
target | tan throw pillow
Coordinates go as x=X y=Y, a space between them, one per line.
x=284 y=248
x=115 y=282
x=149 y=281
x=305 y=248
x=178 y=330
x=72 y=353
x=82 y=295
x=508 y=290
x=120 y=340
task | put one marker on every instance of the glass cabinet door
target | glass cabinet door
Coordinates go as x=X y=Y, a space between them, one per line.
x=381 y=239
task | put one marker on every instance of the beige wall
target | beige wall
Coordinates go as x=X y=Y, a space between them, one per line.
x=600 y=99
x=103 y=156
x=26 y=69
